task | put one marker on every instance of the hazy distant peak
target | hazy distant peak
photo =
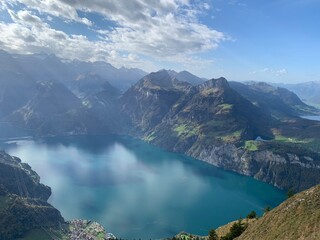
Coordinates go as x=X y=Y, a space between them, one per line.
x=189 y=77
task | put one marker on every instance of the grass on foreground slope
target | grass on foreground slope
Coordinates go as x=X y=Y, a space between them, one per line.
x=296 y=218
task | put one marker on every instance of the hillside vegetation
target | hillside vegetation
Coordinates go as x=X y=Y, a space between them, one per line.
x=296 y=218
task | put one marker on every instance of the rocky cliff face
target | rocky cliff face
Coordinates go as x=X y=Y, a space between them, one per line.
x=286 y=171
x=23 y=200
x=18 y=178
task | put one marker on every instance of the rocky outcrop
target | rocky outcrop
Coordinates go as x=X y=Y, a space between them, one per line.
x=286 y=171
x=23 y=200
x=18 y=178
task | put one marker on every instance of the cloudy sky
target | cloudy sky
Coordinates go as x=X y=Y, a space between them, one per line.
x=274 y=40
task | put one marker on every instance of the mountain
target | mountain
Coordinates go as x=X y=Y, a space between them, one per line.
x=277 y=101
x=121 y=78
x=148 y=101
x=160 y=99
x=41 y=94
x=307 y=91
x=214 y=123
x=53 y=110
x=296 y=218
x=44 y=67
x=186 y=76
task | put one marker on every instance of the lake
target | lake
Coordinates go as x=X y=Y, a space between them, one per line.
x=136 y=190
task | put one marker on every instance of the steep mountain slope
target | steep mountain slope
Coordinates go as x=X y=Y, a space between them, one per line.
x=211 y=113
x=277 y=101
x=147 y=102
x=23 y=205
x=296 y=218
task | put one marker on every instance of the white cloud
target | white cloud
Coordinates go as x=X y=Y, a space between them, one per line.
x=270 y=71
x=162 y=30
x=53 y=7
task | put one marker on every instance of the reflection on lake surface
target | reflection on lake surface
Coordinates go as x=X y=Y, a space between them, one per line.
x=137 y=190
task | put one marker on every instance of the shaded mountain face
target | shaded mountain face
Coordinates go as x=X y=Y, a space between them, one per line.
x=53 y=110
x=296 y=218
x=277 y=101
x=91 y=84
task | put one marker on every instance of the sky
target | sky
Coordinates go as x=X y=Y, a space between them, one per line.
x=273 y=41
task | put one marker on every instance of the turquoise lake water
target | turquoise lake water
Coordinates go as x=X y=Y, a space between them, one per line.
x=136 y=190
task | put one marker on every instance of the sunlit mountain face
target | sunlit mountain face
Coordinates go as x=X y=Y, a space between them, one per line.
x=149 y=118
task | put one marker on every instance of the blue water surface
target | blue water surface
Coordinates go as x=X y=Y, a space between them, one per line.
x=136 y=190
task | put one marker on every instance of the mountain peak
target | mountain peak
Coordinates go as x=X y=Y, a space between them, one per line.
x=220 y=83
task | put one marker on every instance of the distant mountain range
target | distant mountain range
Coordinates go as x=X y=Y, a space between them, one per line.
x=43 y=67
x=251 y=128
x=278 y=101
x=307 y=91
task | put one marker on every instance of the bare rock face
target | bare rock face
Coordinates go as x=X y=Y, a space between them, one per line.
x=286 y=171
